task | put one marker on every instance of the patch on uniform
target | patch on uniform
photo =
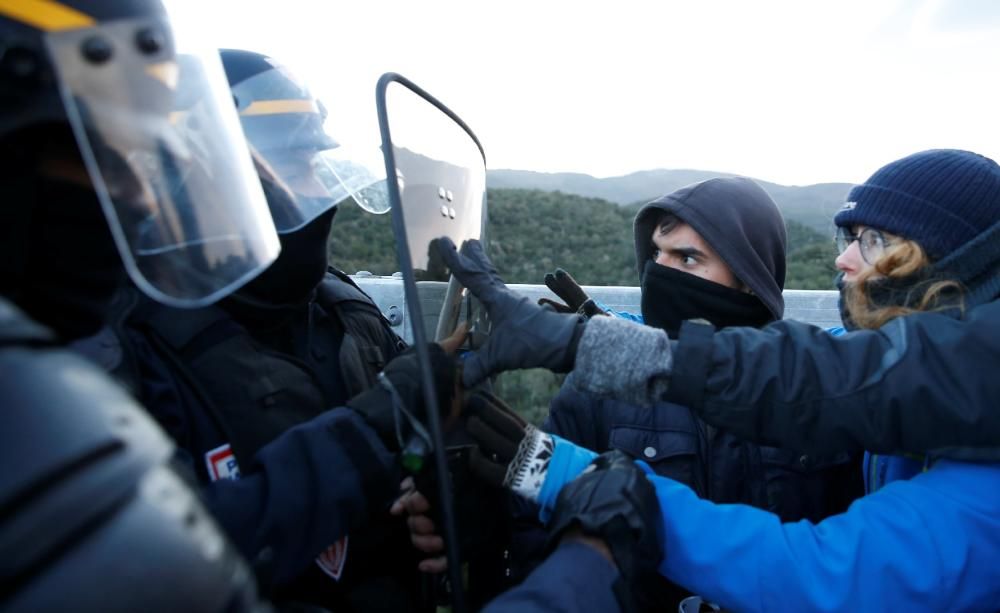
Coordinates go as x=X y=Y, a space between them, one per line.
x=332 y=560
x=221 y=463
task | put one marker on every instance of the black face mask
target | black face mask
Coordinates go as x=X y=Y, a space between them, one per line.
x=71 y=266
x=670 y=297
x=300 y=265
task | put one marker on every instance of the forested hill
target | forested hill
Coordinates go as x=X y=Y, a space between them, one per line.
x=532 y=232
x=812 y=205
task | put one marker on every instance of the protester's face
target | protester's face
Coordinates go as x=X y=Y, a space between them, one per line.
x=681 y=248
x=850 y=262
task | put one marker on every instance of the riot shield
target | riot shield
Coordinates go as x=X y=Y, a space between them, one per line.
x=436 y=173
x=441 y=181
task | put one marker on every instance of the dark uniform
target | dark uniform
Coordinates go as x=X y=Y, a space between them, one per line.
x=248 y=387
x=227 y=393
x=117 y=146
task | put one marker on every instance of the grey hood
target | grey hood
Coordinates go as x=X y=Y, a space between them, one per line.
x=739 y=220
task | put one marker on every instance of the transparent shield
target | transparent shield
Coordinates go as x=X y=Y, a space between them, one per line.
x=156 y=126
x=441 y=179
x=441 y=175
x=437 y=187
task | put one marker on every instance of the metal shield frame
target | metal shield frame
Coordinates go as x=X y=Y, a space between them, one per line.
x=416 y=316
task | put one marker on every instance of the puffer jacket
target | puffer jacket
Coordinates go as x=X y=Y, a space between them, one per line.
x=717 y=465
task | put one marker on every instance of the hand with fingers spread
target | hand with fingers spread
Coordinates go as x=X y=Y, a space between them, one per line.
x=524 y=334
x=565 y=286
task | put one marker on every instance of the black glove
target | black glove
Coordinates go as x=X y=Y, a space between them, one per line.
x=497 y=432
x=565 y=286
x=395 y=419
x=614 y=501
x=524 y=334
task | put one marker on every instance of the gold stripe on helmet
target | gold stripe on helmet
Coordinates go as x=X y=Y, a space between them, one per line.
x=47 y=15
x=274 y=107
x=167 y=72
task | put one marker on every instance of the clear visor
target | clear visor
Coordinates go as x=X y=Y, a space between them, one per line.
x=292 y=136
x=154 y=120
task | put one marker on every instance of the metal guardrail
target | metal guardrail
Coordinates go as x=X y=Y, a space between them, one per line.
x=816 y=307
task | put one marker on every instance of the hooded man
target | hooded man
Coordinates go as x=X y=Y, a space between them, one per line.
x=712 y=251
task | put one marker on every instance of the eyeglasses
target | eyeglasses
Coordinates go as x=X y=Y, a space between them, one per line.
x=871 y=243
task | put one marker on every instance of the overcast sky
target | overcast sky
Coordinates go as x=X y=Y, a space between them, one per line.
x=792 y=92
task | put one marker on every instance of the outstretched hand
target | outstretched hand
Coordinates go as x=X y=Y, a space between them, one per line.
x=524 y=335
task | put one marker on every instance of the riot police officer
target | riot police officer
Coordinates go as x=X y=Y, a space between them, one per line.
x=246 y=386
x=94 y=516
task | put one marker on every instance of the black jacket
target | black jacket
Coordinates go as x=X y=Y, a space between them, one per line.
x=925 y=383
x=260 y=402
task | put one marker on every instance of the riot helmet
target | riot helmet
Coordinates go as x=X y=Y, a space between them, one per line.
x=291 y=130
x=145 y=100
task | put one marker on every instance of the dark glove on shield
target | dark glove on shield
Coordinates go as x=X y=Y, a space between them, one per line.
x=565 y=286
x=524 y=334
x=498 y=432
x=614 y=501
x=394 y=406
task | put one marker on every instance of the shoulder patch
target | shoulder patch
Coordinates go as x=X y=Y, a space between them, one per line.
x=333 y=560
x=221 y=463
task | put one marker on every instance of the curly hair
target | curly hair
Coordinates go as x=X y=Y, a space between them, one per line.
x=902 y=259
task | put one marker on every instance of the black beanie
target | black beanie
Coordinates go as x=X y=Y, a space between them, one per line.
x=739 y=220
x=942 y=199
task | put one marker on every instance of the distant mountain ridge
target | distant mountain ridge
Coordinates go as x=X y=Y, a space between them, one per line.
x=811 y=205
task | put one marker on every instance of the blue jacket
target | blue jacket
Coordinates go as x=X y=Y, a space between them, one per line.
x=620 y=314
x=928 y=543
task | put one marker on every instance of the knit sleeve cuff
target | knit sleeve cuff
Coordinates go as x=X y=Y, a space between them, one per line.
x=621 y=359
